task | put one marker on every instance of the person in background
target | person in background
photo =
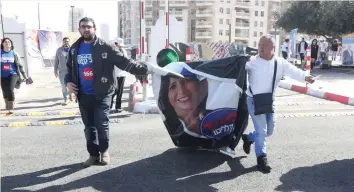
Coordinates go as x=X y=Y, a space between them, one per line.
x=120 y=74
x=285 y=49
x=260 y=70
x=323 y=49
x=60 y=70
x=314 y=53
x=11 y=71
x=334 y=49
x=302 y=49
x=91 y=78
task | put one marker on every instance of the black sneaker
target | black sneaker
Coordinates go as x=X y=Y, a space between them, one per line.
x=246 y=144
x=263 y=165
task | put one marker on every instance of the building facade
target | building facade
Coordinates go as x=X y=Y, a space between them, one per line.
x=75 y=14
x=240 y=21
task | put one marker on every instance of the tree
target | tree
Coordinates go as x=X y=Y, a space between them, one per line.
x=330 y=19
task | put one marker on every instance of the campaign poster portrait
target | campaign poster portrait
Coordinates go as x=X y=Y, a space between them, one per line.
x=203 y=108
x=348 y=51
x=49 y=42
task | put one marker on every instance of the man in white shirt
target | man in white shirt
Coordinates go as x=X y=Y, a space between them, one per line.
x=260 y=70
x=120 y=74
x=285 y=49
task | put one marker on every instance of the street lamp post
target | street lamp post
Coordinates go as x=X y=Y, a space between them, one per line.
x=39 y=16
x=72 y=18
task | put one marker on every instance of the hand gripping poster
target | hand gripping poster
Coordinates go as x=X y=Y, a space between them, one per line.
x=207 y=107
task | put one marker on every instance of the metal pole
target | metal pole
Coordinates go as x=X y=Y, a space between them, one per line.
x=2 y=22
x=39 y=16
x=72 y=18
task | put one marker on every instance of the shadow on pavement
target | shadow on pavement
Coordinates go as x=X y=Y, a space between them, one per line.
x=17 y=181
x=41 y=100
x=173 y=170
x=337 y=174
x=37 y=107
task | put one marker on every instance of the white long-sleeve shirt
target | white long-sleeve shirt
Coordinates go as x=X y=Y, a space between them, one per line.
x=119 y=72
x=260 y=74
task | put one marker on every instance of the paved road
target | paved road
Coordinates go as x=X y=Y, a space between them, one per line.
x=307 y=153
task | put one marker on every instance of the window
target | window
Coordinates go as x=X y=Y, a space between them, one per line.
x=263 y=3
x=227 y=32
x=221 y=21
x=256 y=23
x=255 y=34
x=260 y=34
x=228 y=11
x=256 y=13
x=255 y=44
x=261 y=24
x=221 y=10
x=220 y=32
x=228 y=21
x=262 y=13
x=257 y=2
x=228 y=1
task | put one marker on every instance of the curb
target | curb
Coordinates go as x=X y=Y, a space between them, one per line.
x=42 y=114
x=50 y=123
x=116 y=121
x=310 y=90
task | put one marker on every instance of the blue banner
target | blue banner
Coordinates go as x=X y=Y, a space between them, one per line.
x=348 y=51
x=49 y=42
x=292 y=43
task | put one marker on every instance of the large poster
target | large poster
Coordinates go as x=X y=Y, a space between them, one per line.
x=49 y=41
x=207 y=107
x=213 y=50
x=348 y=50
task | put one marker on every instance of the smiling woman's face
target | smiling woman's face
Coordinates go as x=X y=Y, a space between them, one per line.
x=183 y=95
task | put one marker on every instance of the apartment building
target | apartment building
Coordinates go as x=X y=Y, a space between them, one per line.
x=75 y=14
x=240 y=21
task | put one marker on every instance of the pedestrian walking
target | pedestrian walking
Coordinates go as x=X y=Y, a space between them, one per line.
x=264 y=73
x=11 y=71
x=314 y=53
x=91 y=77
x=285 y=49
x=60 y=70
x=334 y=49
x=302 y=49
x=120 y=78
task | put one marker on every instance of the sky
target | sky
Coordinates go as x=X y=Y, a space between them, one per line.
x=54 y=14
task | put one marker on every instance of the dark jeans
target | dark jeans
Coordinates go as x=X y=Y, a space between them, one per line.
x=323 y=56
x=95 y=116
x=119 y=93
x=285 y=54
x=302 y=57
x=8 y=86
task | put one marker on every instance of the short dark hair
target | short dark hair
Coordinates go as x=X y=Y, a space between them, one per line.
x=87 y=19
x=65 y=38
x=3 y=40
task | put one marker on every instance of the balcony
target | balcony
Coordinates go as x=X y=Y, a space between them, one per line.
x=204 y=13
x=204 y=24
x=204 y=3
x=240 y=24
x=239 y=3
x=148 y=4
x=148 y=15
x=241 y=35
x=176 y=13
x=203 y=35
x=175 y=3
x=242 y=14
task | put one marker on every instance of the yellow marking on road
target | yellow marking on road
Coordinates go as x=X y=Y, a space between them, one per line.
x=55 y=123
x=36 y=114
x=68 y=113
x=19 y=124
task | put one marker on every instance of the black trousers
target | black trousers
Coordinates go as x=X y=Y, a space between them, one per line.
x=95 y=116
x=8 y=86
x=118 y=93
x=285 y=54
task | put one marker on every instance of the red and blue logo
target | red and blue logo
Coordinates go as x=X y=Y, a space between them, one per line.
x=219 y=123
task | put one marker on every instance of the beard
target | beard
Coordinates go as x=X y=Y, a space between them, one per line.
x=88 y=37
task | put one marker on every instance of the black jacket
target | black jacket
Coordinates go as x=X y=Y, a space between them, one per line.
x=299 y=46
x=105 y=57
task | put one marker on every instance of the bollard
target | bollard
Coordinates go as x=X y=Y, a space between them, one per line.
x=145 y=85
x=308 y=60
x=188 y=55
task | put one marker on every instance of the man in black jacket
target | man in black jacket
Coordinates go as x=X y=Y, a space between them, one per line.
x=91 y=77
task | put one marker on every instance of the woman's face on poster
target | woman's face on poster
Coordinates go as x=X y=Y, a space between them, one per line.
x=183 y=94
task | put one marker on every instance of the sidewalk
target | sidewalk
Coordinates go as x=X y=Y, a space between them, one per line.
x=331 y=84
